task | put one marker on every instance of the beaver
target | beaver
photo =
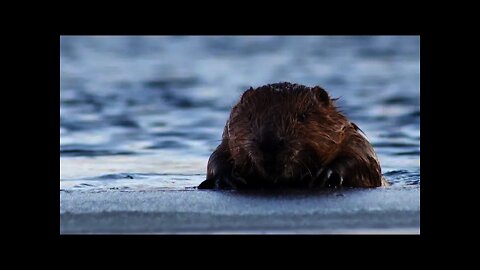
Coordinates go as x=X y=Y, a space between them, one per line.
x=290 y=135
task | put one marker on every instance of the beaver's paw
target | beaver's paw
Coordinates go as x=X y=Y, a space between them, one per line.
x=327 y=177
x=207 y=184
x=223 y=182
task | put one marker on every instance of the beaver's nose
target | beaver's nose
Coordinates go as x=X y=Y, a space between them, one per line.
x=270 y=143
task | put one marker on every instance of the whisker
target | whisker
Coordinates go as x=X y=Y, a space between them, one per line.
x=306 y=167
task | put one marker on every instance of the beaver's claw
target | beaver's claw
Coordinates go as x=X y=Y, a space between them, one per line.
x=326 y=177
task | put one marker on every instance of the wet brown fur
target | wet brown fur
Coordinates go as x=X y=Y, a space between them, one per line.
x=290 y=135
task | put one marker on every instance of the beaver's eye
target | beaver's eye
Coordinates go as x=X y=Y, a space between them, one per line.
x=302 y=117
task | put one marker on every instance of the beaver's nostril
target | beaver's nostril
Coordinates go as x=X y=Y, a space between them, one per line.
x=270 y=144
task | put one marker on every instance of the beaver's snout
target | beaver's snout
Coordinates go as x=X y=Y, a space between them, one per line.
x=270 y=143
x=271 y=149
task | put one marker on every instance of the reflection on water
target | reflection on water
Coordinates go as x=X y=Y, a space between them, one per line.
x=146 y=112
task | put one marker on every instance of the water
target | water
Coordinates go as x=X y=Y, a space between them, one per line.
x=145 y=113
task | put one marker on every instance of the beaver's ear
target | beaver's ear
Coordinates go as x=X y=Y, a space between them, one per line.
x=246 y=94
x=321 y=95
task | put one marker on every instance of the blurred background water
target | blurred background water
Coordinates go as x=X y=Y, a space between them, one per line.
x=146 y=112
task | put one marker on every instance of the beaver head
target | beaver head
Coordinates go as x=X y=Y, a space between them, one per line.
x=284 y=132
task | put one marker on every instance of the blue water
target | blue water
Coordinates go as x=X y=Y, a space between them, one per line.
x=145 y=113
